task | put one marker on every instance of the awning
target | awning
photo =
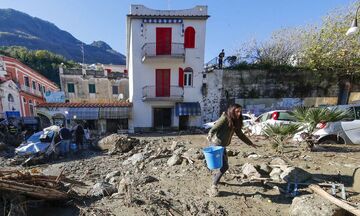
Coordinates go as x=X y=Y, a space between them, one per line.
x=82 y=113
x=192 y=109
x=114 y=112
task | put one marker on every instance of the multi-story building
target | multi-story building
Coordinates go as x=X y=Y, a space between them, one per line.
x=165 y=57
x=87 y=85
x=31 y=85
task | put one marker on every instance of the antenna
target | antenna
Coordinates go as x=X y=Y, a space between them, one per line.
x=83 y=52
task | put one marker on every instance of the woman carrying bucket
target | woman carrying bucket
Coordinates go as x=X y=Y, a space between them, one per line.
x=229 y=123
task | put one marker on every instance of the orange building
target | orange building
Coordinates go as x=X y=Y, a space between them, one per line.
x=32 y=85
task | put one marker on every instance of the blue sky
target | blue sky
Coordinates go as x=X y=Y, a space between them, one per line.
x=232 y=22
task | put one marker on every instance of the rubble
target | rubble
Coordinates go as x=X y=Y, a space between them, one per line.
x=117 y=143
x=136 y=158
x=102 y=189
x=112 y=175
x=277 y=161
x=250 y=171
x=174 y=160
x=314 y=205
x=275 y=174
x=295 y=174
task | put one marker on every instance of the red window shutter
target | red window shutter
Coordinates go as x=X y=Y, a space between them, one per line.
x=189 y=37
x=163 y=41
x=181 y=77
x=162 y=82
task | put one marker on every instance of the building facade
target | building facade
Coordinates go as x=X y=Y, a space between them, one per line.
x=88 y=85
x=31 y=84
x=165 y=56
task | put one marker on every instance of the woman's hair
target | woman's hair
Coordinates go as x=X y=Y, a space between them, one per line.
x=234 y=122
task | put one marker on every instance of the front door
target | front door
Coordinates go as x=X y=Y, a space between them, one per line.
x=162 y=118
x=163 y=41
x=162 y=82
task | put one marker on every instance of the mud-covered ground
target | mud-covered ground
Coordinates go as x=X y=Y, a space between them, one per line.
x=147 y=185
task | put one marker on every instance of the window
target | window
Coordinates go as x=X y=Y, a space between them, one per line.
x=115 y=90
x=92 y=89
x=34 y=85
x=27 y=82
x=189 y=37
x=39 y=87
x=24 y=100
x=71 y=87
x=31 y=106
x=44 y=89
x=10 y=98
x=188 y=76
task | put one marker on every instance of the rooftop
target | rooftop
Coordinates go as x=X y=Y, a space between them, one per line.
x=112 y=104
x=142 y=11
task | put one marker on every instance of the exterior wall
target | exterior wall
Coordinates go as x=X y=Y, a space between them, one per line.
x=6 y=88
x=142 y=74
x=263 y=90
x=103 y=86
x=16 y=71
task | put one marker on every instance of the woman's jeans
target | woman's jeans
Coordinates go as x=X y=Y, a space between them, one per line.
x=64 y=147
x=223 y=169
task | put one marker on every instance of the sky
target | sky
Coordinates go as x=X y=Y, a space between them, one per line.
x=231 y=23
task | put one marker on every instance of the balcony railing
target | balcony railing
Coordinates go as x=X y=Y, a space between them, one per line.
x=30 y=90
x=176 y=94
x=177 y=52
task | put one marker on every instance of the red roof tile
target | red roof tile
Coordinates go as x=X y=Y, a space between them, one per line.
x=112 y=104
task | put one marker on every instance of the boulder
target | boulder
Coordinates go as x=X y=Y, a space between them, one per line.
x=250 y=171
x=134 y=159
x=147 y=180
x=264 y=169
x=292 y=174
x=124 y=185
x=275 y=174
x=174 y=160
x=117 y=143
x=314 y=205
x=102 y=189
x=194 y=154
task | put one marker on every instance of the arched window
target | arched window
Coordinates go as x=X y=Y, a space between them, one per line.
x=31 y=106
x=188 y=76
x=189 y=37
x=10 y=98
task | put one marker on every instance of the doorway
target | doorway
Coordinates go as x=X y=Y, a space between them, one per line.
x=183 y=122
x=162 y=118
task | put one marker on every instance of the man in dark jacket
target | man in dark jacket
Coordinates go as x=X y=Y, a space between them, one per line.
x=79 y=136
x=65 y=136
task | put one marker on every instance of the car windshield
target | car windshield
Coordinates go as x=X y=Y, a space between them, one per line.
x=41 y=137
x=286 y=116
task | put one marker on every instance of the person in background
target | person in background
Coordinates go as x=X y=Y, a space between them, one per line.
x=79 y=136
x=221 y=134
x=65 y=139
x=221 y=58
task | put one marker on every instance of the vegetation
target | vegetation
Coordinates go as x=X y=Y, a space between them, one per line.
x=311 y=117
x=280 y=134
x=43 y=61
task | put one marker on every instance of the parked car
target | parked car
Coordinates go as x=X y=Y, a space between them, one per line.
x=247 y=120
x=346 y=131
x=272 y=118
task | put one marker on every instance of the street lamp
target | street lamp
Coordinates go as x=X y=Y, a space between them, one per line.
x=354 y=26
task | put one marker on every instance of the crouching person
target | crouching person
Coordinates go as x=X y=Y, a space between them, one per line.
x=229 y=123
x=65 y=136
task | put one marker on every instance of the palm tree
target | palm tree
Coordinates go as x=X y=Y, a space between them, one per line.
x=280 y=134
x=311 y=117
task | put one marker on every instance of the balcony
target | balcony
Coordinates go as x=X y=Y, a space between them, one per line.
x=176 y=94
x=176 y=55
x=30 y=90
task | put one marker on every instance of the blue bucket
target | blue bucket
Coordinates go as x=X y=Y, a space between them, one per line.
x=214 y=156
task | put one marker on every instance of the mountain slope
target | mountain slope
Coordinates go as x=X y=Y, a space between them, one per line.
x=20 y=29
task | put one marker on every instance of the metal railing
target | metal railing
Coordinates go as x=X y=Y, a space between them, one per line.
x=30 y=90
x=175 y=93
x=228 y=61
x=177 y=50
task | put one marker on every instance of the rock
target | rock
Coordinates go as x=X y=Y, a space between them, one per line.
x=277 y=161
x=293 y=174
x=134 y=159
x=174 y=145
x=275 y=174
x=232 y=153
x=117 y=143
x=250 y=171
x=314 y=205
x=194 y=154
x=179 y=151
x=114 y=180
x=174 y=160
x=264 y=169
x=356 y=180
x=124 y=185
x=102 y=189
x=147 y=180
x=111 y=175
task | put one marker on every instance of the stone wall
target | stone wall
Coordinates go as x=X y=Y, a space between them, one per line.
x=263 y=90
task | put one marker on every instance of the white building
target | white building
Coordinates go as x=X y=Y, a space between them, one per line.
x=10 y=97
x=165 y=57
